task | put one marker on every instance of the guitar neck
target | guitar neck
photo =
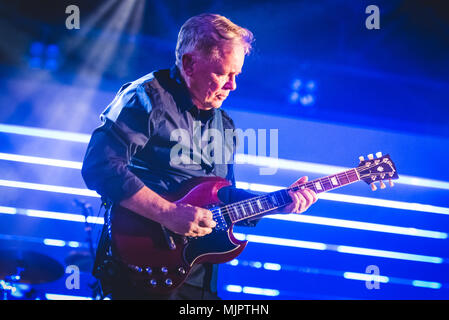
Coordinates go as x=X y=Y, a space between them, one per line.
x=253 y=207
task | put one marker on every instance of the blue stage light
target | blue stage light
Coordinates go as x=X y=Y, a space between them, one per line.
x=36 y=49
x=296 y=84
x=294 y=97
x=35 y=62
x=302 y=92
x=51 y=64
x=426 y=284
x=307 y=100
x=54 y=242
x=52 y=51
x=311 y=85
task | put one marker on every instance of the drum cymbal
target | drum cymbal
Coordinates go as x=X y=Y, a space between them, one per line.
x=33 y=267
x=82 y=259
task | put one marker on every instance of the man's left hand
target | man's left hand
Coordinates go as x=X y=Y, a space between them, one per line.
x=302 y=198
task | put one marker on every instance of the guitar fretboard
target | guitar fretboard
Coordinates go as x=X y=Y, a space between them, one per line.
x=253 y=207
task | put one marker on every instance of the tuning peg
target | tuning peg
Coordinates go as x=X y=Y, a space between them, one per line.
x=373 y=186
x=379 y=154
x=361 y=158
x=370 y=156
x=382 y=185
x=391 y=182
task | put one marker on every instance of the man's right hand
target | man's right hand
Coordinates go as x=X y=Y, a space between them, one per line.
x=183 y=219
x=188 y=220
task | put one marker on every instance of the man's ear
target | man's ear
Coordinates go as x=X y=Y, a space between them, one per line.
x=188 y=63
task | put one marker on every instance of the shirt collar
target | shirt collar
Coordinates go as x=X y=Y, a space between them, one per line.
x=183 y=95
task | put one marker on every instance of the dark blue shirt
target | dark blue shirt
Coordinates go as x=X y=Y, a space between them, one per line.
x=133 y=146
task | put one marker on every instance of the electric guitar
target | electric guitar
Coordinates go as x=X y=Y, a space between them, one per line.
x=159 y=260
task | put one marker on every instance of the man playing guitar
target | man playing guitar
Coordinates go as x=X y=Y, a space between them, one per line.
x=128 y=158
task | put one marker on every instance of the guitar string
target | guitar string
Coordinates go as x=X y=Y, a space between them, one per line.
x=253 y=201
x=226 y=210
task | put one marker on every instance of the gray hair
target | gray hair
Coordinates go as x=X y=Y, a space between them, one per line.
x=207 y=32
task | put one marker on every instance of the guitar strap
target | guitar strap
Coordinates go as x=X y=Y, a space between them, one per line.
x=104 y=267
x=220 y=169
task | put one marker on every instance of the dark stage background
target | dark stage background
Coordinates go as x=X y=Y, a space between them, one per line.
x=334 y=89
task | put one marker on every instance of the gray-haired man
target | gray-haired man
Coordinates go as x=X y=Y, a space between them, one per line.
x=128 y=157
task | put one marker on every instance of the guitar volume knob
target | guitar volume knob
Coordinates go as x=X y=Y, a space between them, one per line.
x=136 y=268
x=148 y=270
x=181 y=270
x=164 y=270
x=168 y=282
x=153 y=283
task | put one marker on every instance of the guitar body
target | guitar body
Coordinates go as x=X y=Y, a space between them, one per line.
x=159 y=260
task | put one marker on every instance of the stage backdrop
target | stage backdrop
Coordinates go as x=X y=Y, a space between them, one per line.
x=398 y=234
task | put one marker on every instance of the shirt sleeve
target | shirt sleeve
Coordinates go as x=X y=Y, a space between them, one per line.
x=124 y=132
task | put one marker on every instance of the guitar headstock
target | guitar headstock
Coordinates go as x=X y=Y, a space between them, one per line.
x=379 y=169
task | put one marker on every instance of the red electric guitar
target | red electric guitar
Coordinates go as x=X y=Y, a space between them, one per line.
x=159 y=260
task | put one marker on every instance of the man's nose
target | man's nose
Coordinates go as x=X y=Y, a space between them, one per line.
x=230 y=84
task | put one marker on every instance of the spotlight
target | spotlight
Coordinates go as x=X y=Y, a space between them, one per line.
x=51 y=64
x=35 y=62
x=303 y=92
x=42 y=56
x=307 y=100
x=36 y=49
x=311 y=85
x=296 y=84
x=52 y=51
x=294 y=96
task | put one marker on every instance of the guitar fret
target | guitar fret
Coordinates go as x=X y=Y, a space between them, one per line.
x=279 y=200
x=250 y=208
x=242 y=206
x=274 y=200
x=259 y=204
x=343 y=179
x=327 y=185
x=285 y=197
x=354 y=176
x=281 y=197
x=265 y=203
x=237 y=214
x=330 y=183
x=334 y=181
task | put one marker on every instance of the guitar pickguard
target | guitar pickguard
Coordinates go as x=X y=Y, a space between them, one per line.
x=218 y=243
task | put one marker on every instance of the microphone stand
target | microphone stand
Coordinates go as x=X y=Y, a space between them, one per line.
x=88 y=211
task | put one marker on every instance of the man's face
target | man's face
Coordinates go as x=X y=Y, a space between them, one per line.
x=210 y=80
